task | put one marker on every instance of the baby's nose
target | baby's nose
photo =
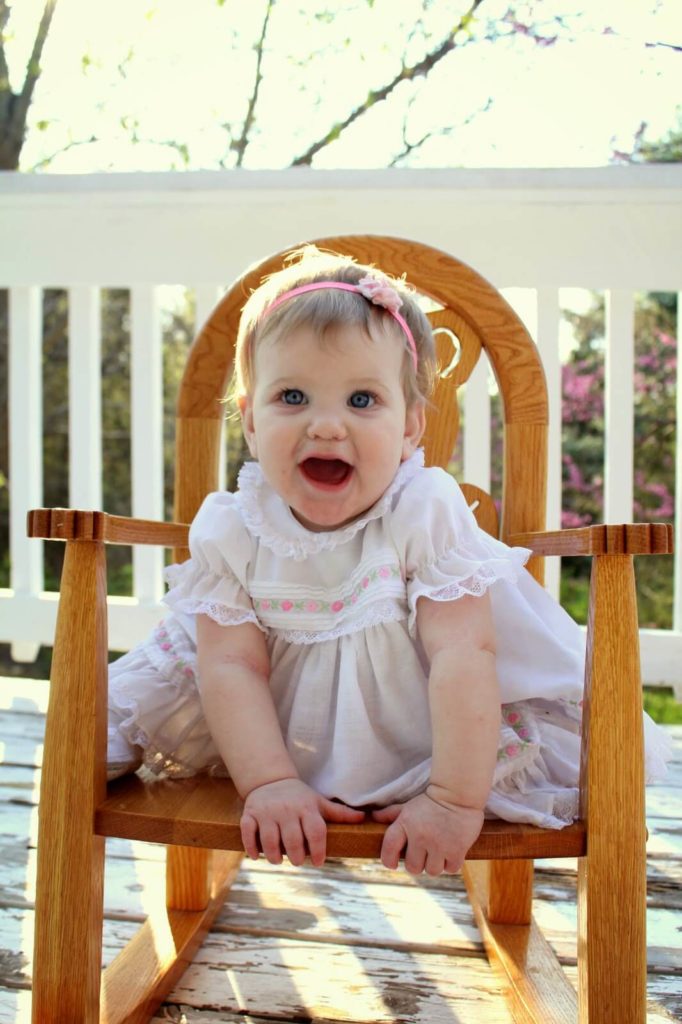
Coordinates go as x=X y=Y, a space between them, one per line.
x=327 y=425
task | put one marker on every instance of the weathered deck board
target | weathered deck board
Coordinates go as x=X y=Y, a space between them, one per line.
x=352 y=943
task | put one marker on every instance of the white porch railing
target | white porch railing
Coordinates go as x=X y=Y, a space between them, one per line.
x=613 y=229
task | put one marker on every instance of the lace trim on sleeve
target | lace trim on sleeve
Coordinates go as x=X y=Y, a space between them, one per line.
x=220 y=613
x=473 y=586
x=440 y=581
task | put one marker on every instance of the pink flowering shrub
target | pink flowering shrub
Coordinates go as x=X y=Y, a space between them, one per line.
x=654 y=443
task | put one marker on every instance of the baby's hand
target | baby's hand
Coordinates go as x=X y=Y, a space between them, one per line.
x=435 y=836
x=288 y=816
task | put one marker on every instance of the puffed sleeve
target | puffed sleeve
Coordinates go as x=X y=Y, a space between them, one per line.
x=213 y=581
x=446 y=554
x=540 y=649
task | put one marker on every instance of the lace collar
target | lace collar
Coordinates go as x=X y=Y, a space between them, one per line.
x=266 y=516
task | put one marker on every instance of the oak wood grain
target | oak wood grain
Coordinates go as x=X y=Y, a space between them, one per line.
x=612 y=879
x=83 y=525
x=205 y=812
x=617 y=539
x=68 y=923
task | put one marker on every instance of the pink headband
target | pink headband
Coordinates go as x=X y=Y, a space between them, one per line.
x=378 y=292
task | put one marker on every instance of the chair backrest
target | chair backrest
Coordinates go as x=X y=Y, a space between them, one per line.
x=469 y=308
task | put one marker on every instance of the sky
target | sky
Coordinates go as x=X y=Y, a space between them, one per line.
x=109 y=66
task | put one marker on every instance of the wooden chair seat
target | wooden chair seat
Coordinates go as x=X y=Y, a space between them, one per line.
x=205 y=811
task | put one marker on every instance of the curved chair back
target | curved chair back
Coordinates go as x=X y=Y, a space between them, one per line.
x=467 y=307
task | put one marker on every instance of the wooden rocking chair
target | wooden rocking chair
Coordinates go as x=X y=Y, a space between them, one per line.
x=199 y=818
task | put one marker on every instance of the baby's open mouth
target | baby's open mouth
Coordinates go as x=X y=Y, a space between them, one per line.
x=332 y=472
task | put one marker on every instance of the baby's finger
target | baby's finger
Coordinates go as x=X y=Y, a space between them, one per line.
x=415 y=859
x=452 y=866
x=315 y=831
x=386 y=815
x=340 y=813
x=293 y=841
x=271 y=842
x=249 y=830
x=392 y=846
x=435 y=864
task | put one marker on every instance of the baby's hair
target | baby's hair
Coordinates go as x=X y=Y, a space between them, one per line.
x=326 y=308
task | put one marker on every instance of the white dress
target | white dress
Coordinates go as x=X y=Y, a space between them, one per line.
x=348 y=673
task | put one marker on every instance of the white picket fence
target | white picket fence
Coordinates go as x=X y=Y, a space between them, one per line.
x=530 y=232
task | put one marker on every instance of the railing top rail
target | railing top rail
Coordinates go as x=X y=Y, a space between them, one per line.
x=663 y=182
x=607 y=227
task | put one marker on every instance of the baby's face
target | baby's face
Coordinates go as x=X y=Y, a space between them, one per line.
x=328 y=422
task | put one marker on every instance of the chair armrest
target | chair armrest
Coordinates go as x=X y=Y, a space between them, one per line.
x=624 y=539
x=75 y=524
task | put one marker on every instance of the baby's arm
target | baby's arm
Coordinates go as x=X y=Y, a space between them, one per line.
x=437 y=828
x=279 y=809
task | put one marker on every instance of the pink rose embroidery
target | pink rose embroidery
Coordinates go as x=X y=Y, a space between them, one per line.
x=337 y=606
x=287 y=606
x=384 y=573
x=365 y=583
x=513 y=717
x=523 y=733
x=311 y=606
x=265 y=606
x=512 y=750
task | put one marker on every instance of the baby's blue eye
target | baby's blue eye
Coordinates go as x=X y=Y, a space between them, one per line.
x=292 y=396
x=361 y=400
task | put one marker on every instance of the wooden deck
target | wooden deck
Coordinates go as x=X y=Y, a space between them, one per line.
x=351 y=943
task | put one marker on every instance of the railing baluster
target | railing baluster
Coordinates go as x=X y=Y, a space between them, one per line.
x=25 y=449
x=147 y=434
x=677 y=600
x=477 y=426
x=619 y=406
x=548 y=344
x=85 y=398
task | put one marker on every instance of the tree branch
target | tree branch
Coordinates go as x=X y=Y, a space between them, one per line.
x=4 y=70
x=33 y=68
x=63 y=149
x=406 y=74
x=410 y=147
x=239 y=145
x=667 y=46
x=14 y=106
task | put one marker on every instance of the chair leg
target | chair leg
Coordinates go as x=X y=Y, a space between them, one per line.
x=612 y=877
x=510 y=891
x=69 y=899
x=188 y=877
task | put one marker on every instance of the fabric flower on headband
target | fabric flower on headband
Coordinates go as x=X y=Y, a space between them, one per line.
x=379 y=292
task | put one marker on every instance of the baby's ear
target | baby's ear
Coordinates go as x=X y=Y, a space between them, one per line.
x=415 y=425
x=246 y=413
